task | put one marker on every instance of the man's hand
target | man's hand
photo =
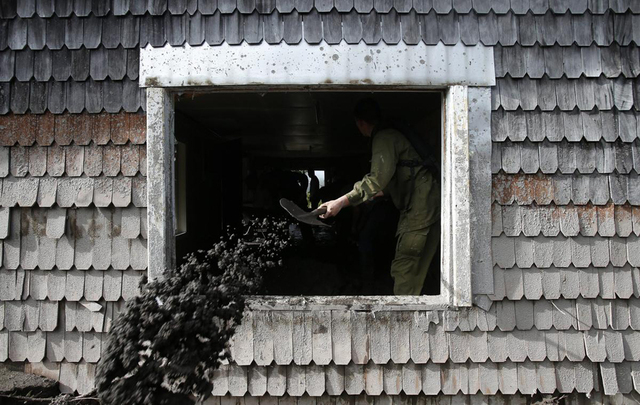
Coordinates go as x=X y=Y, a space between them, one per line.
x=334 y=206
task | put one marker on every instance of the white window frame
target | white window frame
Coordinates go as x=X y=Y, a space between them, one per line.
x=463 y=77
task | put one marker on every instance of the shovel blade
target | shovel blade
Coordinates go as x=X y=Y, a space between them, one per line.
x=301 y=215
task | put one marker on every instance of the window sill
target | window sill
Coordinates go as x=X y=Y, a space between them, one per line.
x=352 y=303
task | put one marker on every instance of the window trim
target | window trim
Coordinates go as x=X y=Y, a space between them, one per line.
x=455 y=263
x=466 y=195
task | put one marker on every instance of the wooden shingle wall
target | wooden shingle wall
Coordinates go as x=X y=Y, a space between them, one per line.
x=565 y=311
x=565 y=196
x=73 y=225
x=83 y=56
x=422 y=399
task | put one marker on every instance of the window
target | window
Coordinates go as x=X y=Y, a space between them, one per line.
x=466 y=182
x=283 y=137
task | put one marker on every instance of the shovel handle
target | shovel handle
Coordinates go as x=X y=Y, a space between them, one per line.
x=319 y=211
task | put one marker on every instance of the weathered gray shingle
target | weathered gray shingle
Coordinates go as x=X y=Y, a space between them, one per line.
x=571 y=62
x=112 y=285
x=67 y=192
x=607 y=220
x=581 y=252
x=448 y=379
x=590 y=93
x=177 y=7
x=68 y=377
x=561 y=189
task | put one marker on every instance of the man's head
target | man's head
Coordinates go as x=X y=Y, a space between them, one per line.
x=367 y=115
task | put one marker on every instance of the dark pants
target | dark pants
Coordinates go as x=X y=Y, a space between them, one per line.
x=414 y=252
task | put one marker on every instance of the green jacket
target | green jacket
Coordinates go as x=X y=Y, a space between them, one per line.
x=388 y=148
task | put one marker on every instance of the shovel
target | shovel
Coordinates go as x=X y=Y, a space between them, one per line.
x=301 y=215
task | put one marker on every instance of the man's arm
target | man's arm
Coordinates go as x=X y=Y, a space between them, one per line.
x=383 y=167
x=334 y=206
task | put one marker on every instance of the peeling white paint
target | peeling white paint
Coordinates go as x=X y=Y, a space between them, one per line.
x=455 y=216
x=458 y=147
x=480 y=191
x=317 y=65
x=160 y=169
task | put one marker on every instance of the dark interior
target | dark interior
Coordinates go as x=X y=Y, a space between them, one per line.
x=242 y=152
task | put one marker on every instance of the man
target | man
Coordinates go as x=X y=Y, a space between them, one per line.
x=397 y=171
x=314 y=187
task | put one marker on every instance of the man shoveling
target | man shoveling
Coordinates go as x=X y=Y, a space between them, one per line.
x=410 y=179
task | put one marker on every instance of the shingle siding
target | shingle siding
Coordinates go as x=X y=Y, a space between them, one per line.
x=564 y=130
x=66 y=8
x=73 y=237
x=85 y=61
x=391 y=25
x=90 y=64
x=565 y=312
